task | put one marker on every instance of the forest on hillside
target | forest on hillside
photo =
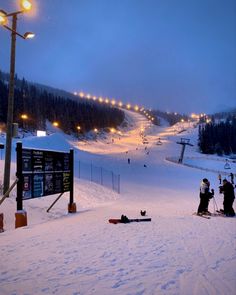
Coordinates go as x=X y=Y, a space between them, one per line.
x=170 y=117
x=219 y=138
x=41 y=105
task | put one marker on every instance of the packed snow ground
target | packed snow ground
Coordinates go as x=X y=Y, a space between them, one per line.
x=175 y=253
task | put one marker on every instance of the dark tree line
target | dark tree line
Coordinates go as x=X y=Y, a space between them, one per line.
x=41 y=105
x=219 y=138
x=171 y=118
x=222 y=115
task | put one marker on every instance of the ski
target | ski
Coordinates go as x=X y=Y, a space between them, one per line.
x=201 y=215
x=220 y=212
x=116 y=220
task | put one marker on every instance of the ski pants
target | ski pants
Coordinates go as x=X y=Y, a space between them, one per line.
x=203 y=206
x=228 y=206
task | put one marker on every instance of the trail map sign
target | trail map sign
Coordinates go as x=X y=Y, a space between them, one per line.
x=42 y=173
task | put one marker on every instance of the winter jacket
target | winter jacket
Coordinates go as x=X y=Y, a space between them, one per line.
x=228 y=191
x=205 y=196
x=204 y=191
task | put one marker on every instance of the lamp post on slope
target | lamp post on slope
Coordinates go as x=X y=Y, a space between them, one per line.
x=26 y=6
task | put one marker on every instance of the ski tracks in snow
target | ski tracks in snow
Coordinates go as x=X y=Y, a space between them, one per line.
x=205 y=274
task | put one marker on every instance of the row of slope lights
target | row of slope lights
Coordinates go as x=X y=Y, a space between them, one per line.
x=114 y=103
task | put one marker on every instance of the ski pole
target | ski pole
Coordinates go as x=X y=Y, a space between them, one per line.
x=214 y=208
x=215 y=204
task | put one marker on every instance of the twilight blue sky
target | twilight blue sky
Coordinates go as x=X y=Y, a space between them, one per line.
x=175 y=55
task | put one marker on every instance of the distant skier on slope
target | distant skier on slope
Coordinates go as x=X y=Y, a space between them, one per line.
x=205 y=196
x=232 y=178
x=219 y=177
x=228 y=190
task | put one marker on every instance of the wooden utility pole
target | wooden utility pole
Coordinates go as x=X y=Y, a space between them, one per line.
x=7 y=167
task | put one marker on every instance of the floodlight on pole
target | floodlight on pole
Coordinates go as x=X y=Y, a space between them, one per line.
x=3 y=18
x=26 y=5
x=29 y=35
x=55 y=124
x=24 y=116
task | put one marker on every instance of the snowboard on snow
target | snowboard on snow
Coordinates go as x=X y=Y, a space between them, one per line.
x=127 y=220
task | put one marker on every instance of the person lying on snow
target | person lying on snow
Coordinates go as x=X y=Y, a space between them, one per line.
x=205 y=196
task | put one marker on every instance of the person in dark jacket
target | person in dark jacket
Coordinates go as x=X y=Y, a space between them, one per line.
x=228 y=190
x=205 y=196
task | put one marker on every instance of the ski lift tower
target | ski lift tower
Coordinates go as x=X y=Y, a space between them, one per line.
x=227 y=166
x=183 y=142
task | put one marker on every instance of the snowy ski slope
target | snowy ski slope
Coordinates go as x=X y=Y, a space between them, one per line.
x=175 y=253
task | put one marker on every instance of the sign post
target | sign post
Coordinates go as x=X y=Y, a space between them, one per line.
x=71 y=205
x=20 y=215
x=19 y=175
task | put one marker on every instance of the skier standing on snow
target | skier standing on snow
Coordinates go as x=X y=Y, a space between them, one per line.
x=205 y=196
x=228 y=190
